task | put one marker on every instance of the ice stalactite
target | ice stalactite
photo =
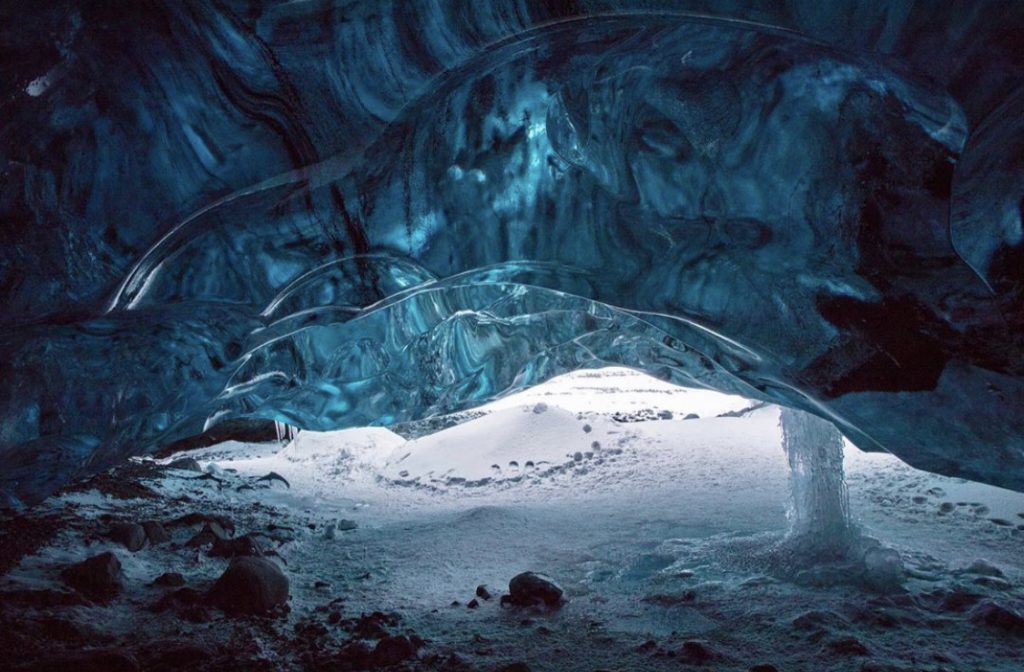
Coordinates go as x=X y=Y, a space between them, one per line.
x=820 y=507
x=285 y=433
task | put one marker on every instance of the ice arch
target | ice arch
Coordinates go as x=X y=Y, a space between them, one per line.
x=336 y=214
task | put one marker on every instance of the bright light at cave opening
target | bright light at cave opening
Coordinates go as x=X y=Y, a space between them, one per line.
x=619 y=443
x=595 y=429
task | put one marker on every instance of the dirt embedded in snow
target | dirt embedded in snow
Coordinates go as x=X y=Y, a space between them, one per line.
x=655 y=526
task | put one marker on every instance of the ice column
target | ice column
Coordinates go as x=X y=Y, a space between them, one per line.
x=820 y=511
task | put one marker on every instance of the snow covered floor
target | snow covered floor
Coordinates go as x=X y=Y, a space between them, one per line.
x=656 y=526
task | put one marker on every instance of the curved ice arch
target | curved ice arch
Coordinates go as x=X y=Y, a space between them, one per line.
x=779 y=206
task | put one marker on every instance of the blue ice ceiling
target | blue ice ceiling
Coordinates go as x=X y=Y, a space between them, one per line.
x=348 y=213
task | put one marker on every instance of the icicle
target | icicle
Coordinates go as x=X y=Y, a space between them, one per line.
x=819 y=515
x=279 y=430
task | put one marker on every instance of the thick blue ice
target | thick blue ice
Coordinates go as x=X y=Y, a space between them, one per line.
x=345 y=213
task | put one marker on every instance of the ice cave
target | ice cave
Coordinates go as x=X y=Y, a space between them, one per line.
x=512 y=335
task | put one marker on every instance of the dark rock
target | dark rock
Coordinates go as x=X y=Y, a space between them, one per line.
x=393 y=650
x=247 y=430
x=98 y=578
x=274 y=476
x=472 y=604
x=691 y=416
x=122 y=482
x=188 y=603
x=250 y=586
x=995 y=615
x=211 y=533
x=696 y=652
x=209 y=476
x=155 y=532
x=959 y=600
x=483 y=593
x=846 y=646
x=203 y=538
x=345 y=525
x=310 y=630
x=130 y=535
x=763 y=667
x=529 y=588
x=169 y=580
x=354 y=655
x=371 y=626
x=647 y=647
x=185 y=464
x=244 y=545
x=279 y=533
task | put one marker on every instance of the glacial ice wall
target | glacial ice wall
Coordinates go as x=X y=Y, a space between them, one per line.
x=342 y=213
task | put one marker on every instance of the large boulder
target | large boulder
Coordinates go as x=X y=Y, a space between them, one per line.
x=250 y=585
x=244 y=545
x=98 y=578
x=130 y=535
x=529 y=589
x=393 y=650
x=155 y=532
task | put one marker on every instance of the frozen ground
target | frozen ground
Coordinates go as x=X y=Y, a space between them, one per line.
x=658 y=527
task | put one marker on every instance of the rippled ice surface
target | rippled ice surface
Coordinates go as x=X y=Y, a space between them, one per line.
x=654 y=525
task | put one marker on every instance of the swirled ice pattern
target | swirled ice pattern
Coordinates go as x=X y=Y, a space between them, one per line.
x=345 y=213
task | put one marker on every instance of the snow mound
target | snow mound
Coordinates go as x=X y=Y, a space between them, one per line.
x=362 y=447
x=505 y=446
